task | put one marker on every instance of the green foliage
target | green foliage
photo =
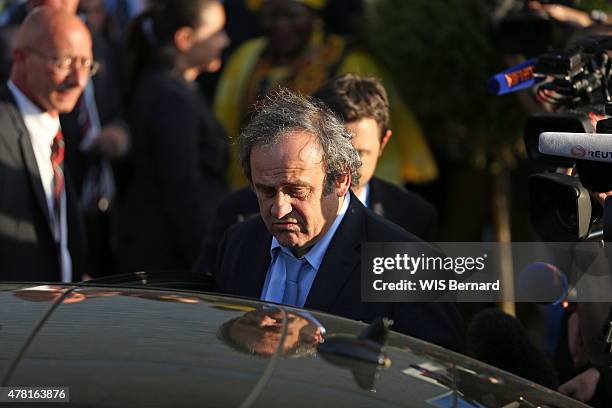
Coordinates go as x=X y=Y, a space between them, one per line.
x=440 y=55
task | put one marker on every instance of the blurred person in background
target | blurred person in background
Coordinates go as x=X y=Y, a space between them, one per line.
x=178 y=159
x=297 y=52
x=94 y=132
x=362 y=103
x=242 y=25
x=123 y=11
x=97 y=137
x=40 y=233
x=100 y=20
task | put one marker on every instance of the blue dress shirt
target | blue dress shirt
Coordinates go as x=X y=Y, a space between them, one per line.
x=274 y=286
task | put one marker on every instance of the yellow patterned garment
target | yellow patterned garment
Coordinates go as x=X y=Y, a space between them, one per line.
x=248 y=75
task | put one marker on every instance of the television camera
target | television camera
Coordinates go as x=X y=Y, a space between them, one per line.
x=571 y=144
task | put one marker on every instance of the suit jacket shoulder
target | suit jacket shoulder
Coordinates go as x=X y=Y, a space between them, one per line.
x=9 y=112
x=243 y=233
x=238 y=206
x=381 y=229
x=404 y=208
x=243 y=258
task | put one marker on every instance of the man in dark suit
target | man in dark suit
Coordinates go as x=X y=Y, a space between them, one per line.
x=363 y=104
x=304 y=250
x=94 y=133
x=40 y=229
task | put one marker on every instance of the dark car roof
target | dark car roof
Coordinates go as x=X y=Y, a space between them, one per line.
x=127 y=347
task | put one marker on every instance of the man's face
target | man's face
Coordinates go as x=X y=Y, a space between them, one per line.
x=288 y=25
x=57 y=90
x=288 y=179
x=209 y=39
x=369 y=144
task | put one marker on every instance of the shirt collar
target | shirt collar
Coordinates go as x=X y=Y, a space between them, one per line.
x=315 y=255
x=364 y=196
x=45 y=124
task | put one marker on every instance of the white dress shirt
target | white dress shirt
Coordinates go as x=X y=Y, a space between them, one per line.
x=364 y=196
x=42 y=128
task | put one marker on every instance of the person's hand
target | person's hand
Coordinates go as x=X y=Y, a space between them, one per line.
x=582 y=387
x=601 y=197
x=112 y=142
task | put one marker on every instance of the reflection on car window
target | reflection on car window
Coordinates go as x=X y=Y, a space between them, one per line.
x=51 y=293
x=48 y=293
x=266 y=330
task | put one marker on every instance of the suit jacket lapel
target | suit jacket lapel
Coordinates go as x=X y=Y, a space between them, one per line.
x=376 y=200
x=27 y=151
x=254 y=263
x=340 y=261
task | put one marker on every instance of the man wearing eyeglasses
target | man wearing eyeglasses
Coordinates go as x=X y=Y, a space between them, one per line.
x=40 y=230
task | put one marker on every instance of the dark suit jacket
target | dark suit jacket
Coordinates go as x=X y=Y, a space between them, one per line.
x=404 y=208
x=244 y=258
x=179 y=159
x=27 y=248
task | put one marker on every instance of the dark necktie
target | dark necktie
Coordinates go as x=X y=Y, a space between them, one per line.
x=57 y=161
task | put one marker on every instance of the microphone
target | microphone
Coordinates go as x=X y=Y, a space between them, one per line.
x=514 y=79
x=543 y=283
x=581 y=146
x=500 y=340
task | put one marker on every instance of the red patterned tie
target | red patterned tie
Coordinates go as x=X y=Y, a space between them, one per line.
x=57 y=161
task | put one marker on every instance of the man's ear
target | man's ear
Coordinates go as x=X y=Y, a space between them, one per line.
x=183 y=38
x=342 y=184
x=384 y=141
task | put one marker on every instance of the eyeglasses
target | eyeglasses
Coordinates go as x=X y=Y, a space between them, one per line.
x=63 y=65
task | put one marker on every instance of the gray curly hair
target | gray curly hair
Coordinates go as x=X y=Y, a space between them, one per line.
x=282 y=112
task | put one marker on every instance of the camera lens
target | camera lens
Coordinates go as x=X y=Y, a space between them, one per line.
x=566 y=214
